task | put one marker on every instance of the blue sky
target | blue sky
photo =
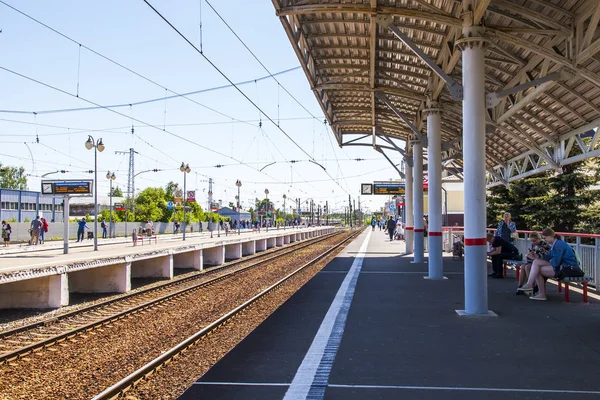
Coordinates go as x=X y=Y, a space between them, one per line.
x=130 y=33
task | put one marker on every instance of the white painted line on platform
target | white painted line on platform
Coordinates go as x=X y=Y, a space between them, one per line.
x=406 y=387
x=312 y=376
x=465 y=389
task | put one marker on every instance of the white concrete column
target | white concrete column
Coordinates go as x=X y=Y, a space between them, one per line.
x=156 y=267
x=261 y=245
x=214 y=256
x=279 y=241
x=418 y=202
x=434 y=172
x=271 y=242
x=115 y=278
x=287 y=239
x=474 y=111
x=43 y=292
x=233 y=251
x=293 y=237
x=408 y=201
x=189 y=259
x=248 y=248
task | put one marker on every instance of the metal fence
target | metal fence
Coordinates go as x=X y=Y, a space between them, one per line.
x=586 y=246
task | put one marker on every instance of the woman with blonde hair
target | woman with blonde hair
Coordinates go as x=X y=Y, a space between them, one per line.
x=539 y=247
x=561 y=257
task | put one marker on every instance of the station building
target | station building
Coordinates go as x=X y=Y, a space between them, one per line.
x=24 y=205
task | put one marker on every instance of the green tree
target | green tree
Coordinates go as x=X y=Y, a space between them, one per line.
x=12 y=177
x=116 y=192
x=151 y=203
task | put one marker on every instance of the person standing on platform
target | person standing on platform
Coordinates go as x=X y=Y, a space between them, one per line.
x=36 y=226
x=373 y=224
x=176 y=225
x=6 y=231
x=506 y=228
x=391 y=227
x=44 y=229
x=81 y=226
x=104 y=228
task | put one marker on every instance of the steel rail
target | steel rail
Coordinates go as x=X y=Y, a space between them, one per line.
x=58 y=338
x=124 y=384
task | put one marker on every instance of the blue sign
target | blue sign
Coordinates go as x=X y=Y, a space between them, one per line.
x=170 y=205
x=392 y=207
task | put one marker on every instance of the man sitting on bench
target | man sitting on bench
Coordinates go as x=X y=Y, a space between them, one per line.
x=561 y=256
x=501 y=250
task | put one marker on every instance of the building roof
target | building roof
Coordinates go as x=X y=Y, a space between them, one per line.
x=362 y=73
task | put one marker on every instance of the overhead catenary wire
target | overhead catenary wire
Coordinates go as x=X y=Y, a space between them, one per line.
x=137 y=120
x=237 y=88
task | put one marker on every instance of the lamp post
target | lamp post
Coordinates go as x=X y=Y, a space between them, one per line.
x=238 y=183
x=185 y=168
x=111 y=177
x=210 y=193
x=284 y=213
x=98 y=146
x=267 y=214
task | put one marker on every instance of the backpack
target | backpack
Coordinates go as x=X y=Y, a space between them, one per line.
x=103 y=225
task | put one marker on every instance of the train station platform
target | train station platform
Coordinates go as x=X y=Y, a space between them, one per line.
x=44 y=279
x=368 y=326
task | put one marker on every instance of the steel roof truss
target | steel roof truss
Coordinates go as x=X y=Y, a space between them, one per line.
x=455 y=88
x=382 y=97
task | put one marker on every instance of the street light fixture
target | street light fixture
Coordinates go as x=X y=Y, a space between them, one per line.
x=98 y=146
x=185 y=168
x=111 y=177
x=267 y=212
x=284 y=213
x=238 y=183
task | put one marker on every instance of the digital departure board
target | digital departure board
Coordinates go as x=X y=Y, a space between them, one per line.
x=388 y=188
x=68 y=187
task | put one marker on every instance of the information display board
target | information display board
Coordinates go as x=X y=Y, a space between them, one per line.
x=68 y=187
x=388 y=188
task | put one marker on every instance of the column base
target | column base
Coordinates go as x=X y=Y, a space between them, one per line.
x=435 y=279
x=463 y=313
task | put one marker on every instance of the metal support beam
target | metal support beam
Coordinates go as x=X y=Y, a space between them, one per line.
x=454 y=87
x=493 y=99
x=399 y=114
x=379 y=149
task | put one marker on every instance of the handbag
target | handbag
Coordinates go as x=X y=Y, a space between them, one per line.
x=569 y=271
x=514 y=235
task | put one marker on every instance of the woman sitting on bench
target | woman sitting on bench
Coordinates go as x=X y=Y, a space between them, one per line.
x=539 y=247
x=561 y=255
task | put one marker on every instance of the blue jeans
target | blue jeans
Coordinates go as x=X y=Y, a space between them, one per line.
x=103 y=233
x=80 y=235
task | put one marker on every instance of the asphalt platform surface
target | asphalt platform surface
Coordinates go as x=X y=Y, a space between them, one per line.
x=403 y=339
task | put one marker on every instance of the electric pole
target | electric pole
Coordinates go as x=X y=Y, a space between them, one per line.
x=130 y=184
x=350 y=210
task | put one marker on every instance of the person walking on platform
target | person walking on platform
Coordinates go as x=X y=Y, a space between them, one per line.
x=501 y=250
x=44 y=229
x=6 y=231
x=372 y=224
x=391 y=227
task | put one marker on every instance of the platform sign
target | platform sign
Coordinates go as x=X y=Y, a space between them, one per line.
x=388 y=188
x=68 y=187
x=191 y=196
x=120 y=207
x=366 y=188
x=170 y=205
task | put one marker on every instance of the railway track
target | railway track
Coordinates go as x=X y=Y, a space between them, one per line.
x=19 y=342
x=118 y=389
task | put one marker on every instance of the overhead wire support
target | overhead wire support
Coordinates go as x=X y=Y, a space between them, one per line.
x=235 y=86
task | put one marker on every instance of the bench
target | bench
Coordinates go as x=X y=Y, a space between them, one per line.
x=149 y=238
x=516 y=265
x=566 y=280
x=584 y=280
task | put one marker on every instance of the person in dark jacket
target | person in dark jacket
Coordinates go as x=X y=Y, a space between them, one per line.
x=501 y=250
x=391 y=227
x=506 y=228
x=561 y=255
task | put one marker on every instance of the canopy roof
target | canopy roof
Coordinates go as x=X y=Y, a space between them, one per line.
x=366 y=78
